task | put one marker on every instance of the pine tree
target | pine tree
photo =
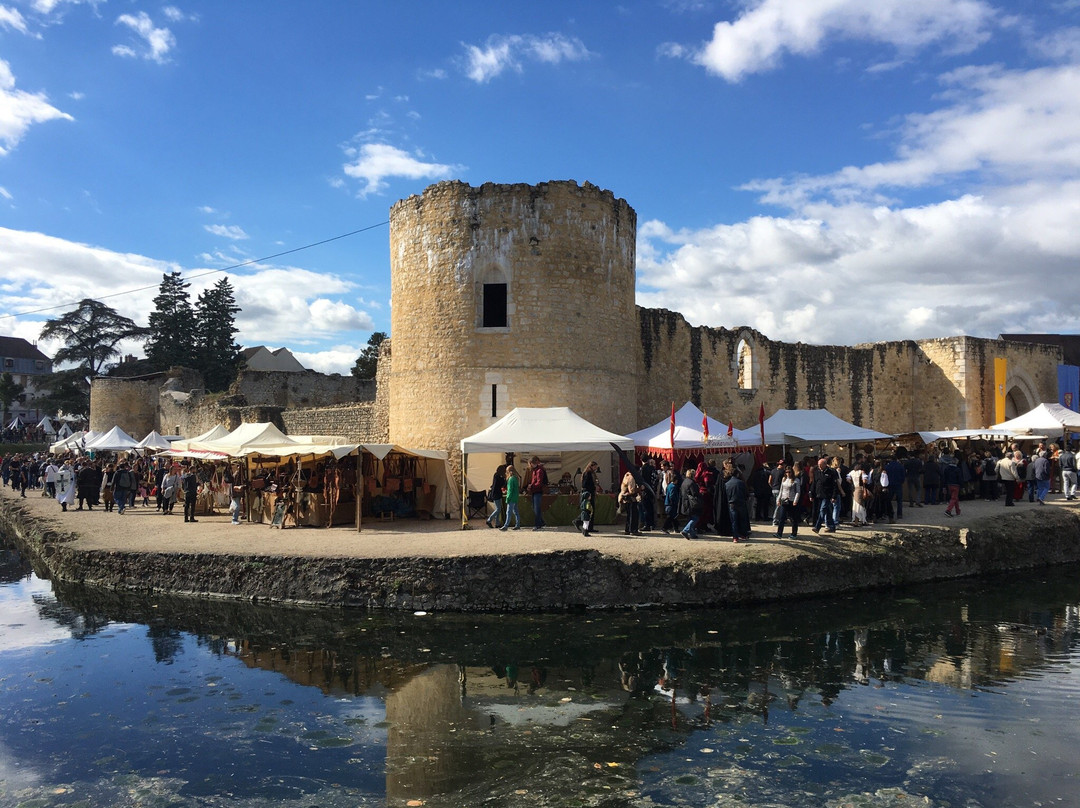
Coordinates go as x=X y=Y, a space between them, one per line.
x=172 y=326
x=218 y=354
x=368 y=361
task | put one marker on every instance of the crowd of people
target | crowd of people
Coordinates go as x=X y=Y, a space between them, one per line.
x=822 y=492
x=81 y=482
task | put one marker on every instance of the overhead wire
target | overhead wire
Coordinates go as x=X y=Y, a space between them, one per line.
x=207 y=272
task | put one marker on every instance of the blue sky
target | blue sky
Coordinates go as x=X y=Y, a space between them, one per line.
x=827 y=171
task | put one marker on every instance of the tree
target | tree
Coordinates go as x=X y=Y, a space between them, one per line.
x=90 y=334
x=218 y=354
x=368 y=361
x=10 y=390
x=63 y=391
x=171 y=335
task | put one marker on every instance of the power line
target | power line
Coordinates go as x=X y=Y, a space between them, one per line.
x=208 y=272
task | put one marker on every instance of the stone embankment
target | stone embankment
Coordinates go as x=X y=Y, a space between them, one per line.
x=437 y=566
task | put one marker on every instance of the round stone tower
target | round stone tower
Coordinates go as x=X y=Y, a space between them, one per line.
x=510 y=296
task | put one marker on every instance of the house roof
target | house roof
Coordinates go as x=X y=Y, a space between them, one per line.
x=18 y=348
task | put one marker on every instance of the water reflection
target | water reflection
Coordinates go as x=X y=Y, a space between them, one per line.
x=793 y=704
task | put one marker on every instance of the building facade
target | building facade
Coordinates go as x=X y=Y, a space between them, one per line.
x=27 y=365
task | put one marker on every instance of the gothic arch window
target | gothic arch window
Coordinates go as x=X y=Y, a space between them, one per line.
x=744 y=365
x=493 y=300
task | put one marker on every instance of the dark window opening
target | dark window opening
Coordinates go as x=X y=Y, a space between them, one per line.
x=494 y=305
x=494 y=388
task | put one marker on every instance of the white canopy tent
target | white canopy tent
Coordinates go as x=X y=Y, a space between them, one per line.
x=74 y=440
x=689 y=435
x=154 y=442
x=539 y=430
x=115 y=440
x=1046 y=418
x=64 y=432
x=535 y=431
x=969 y=434
x=192 y=448
x=16 y=423
x=46 y=425
x=814 y=426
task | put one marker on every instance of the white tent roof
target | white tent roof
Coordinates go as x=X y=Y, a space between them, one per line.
x=688 y=433
x=963 y=434
x=154 y=441
x=543 y=429
x=179 y=448
x=115 y=440
x=1047 y=418
x=47 y=425
x=814 y=426
x=16 y=423
x=246 y=439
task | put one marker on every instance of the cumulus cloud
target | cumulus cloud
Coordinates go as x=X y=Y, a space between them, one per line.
x=374 y=163
x=1001 y=125
x=852 y=263
x=482 y=63
x=975 y=265
x=153 y=43
x=19 y=110
x=45 y=276
x=767 y=30
x=235 y=232
x=338 y=359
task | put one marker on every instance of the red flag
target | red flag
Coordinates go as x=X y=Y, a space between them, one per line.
x=705 y=426
x=672 y=424
x=761 y=423
x=730 y=429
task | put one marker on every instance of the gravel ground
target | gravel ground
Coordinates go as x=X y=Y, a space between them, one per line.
x=146 y=530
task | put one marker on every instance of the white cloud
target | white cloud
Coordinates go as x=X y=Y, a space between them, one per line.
x=850 y=263
x=768 y=29
x=235 y=232
x=1001 y=126
x=48 y=276
x=374 y=163
x=338 y=359
x=501 y=53
x=13 y=19
x=4 y=192
x=19 y=110
x=157 y=42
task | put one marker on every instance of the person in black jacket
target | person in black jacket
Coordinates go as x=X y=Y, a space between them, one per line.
x=189 y=484
x=496 y=494
x=826 y=493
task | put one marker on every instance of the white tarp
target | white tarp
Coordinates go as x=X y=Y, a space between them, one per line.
x=967 y=434
x=246 y=439
x=115 y=440
x=813 y=426
x=1052 y=419
x=154 y=441
x=689 y=434
x=539 y=430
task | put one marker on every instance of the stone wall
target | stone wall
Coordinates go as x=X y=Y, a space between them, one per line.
x=356 y=423
x=564 y=254
x=128 y=403
x=893 y=387
x=301 y=389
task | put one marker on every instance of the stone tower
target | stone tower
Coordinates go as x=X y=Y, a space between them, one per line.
x=511 y=296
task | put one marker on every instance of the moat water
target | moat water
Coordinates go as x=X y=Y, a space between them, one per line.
x=959 y=695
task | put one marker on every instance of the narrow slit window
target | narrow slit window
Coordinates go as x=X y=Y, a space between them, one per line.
x=494 y=412
x=494 y=305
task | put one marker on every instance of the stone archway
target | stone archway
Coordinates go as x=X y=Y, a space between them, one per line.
x=1020 y=396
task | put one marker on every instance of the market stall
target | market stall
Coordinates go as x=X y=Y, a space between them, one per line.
x=555 y=434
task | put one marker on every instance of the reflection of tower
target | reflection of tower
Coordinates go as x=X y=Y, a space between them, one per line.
x=510 y=296
x=423 y=713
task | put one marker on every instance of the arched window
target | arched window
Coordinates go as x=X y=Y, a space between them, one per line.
x=744 y=365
